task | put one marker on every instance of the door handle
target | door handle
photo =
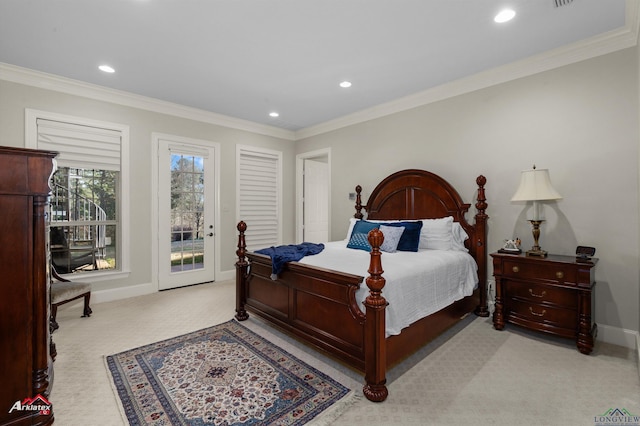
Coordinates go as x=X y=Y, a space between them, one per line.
x=210 y=234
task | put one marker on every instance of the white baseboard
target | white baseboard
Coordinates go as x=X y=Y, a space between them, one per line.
x=618 y=336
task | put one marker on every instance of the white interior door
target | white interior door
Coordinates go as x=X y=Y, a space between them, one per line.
x=186 y=197
x=316 y=201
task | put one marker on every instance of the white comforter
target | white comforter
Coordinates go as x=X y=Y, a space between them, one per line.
x=417 y=283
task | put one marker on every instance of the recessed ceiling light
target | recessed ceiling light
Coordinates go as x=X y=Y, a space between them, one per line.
x=274 y=114
x=345 y=84
x=504 y=16
x=106 y=68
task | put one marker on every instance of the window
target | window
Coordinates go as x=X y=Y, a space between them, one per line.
x=259 y=189
x=88 y=192
x=83 y=225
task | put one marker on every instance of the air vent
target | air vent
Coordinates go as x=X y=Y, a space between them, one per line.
x=560 y=3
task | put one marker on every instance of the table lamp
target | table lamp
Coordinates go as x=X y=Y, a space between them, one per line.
x=535 y=185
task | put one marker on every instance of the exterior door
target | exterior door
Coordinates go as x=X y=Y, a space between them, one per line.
x=316 y=201
x=186 y=196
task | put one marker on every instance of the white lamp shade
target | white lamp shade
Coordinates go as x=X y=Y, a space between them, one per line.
x=535 y=185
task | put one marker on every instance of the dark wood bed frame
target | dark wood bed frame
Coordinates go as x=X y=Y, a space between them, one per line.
x=319 y=305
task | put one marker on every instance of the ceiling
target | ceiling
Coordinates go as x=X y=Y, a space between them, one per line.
x=247 y=58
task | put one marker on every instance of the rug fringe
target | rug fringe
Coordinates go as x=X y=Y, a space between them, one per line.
x=123 y=414
x=330 y=415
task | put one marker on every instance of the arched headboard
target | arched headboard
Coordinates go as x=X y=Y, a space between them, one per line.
x=415 y=194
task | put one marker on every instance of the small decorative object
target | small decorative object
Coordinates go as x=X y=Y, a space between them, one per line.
x=535 y=185
x=511 y=246
x=584 y=253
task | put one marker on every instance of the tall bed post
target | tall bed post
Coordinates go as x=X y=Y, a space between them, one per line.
x=241 y=274
x=481 y=246
x=375 y=346
x=359 y=206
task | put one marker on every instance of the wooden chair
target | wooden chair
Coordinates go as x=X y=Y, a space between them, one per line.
x=64 y=291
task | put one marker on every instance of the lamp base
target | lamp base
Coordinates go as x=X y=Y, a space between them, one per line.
x=536 y=252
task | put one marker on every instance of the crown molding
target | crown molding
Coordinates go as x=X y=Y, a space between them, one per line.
x=602 y=44
x=56 y=83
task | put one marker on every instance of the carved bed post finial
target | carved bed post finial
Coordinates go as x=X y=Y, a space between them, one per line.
x=482 y=310
x=241 y=273
x=481 y=204
x=375 y=349
x=375 y=281
x=242 y=245
x=358 y=214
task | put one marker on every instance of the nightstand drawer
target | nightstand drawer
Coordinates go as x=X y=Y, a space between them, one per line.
x=542 y=294
x=551 y=272
x=560 y=317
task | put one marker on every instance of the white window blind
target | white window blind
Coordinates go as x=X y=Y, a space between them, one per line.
x=259 y=193
x=81 y=146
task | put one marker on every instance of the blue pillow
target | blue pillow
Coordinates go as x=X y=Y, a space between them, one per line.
x=358 y=239
x=410 y=239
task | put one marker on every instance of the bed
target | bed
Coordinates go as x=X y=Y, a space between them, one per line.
x=320 y=305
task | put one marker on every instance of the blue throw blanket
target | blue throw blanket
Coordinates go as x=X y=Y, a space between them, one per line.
x=282 y=254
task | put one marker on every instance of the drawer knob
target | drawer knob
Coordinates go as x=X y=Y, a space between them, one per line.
x=538 y=314
x=515 y=269
x=559 y=275
x=537 y=295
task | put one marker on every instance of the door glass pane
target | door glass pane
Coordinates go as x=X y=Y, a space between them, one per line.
x=187 y=212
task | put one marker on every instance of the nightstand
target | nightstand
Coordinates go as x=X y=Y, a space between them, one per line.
x=552 y=294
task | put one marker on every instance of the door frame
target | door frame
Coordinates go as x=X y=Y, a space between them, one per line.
x=155 y=141
x=320 y=153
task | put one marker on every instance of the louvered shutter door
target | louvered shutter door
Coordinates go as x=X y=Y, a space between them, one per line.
x=259 y=197
x=80 y=146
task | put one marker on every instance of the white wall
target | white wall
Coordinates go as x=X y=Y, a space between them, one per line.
x=638 y=113
x=579 y=121
x=14 y=98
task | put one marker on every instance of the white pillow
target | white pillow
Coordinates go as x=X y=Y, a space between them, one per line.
x=437 y=234
x=459 y=236
x=352 y=223
x=392 y=236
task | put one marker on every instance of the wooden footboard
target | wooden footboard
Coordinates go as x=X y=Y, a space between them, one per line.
x=313 y=303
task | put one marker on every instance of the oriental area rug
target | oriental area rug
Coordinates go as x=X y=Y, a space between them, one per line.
x=223 y=375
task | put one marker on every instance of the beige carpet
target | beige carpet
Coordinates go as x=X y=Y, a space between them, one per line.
x=479 y=376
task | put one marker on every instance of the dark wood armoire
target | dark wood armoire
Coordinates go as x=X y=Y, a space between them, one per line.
x=26 y=373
